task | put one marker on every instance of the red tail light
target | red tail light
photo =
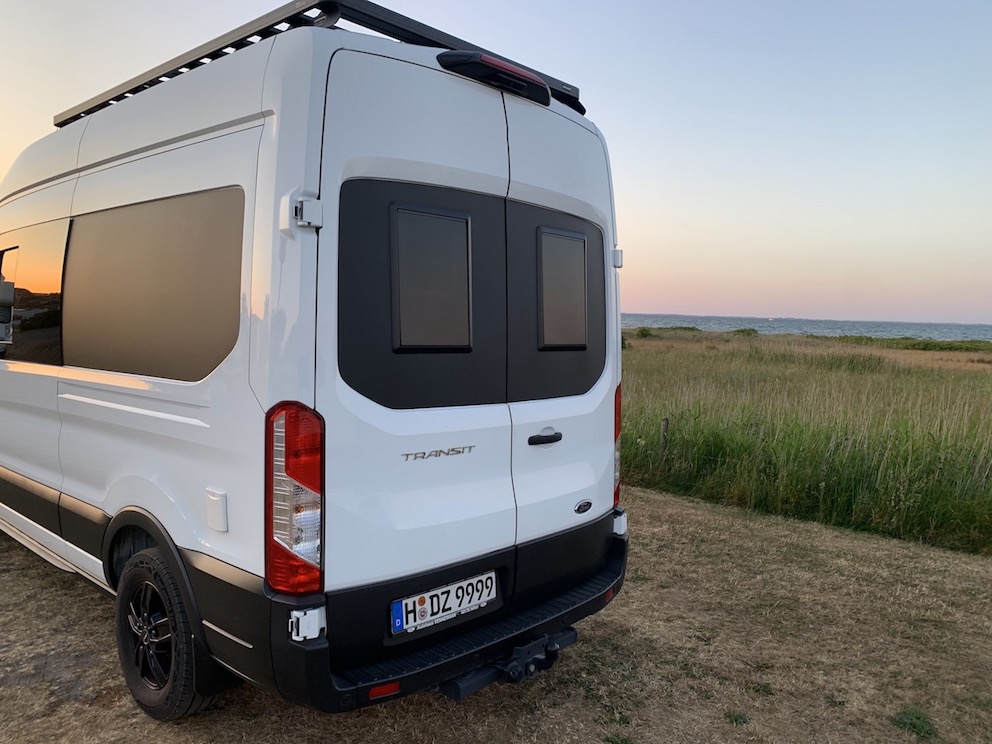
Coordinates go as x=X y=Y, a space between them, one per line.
x=616 y=448
x=305 y=447
x=294 y=499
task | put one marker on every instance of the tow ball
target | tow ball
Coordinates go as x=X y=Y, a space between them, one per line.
x=523 y=663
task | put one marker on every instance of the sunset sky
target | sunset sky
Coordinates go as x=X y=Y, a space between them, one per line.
x=770 y=158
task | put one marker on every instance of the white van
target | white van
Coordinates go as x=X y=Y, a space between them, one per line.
x=317 y=363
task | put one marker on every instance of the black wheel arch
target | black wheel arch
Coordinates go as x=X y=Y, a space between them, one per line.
x=143 y=530
x=135 y=520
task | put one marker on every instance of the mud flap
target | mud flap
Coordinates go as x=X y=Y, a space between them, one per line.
x=523 y=663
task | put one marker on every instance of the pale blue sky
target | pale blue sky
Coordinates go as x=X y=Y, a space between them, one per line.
x=828 y=160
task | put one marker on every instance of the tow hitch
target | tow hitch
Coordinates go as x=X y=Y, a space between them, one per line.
x=523 y=663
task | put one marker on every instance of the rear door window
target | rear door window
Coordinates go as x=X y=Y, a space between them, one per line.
x=563 y=299
x=450 y=298
x=422 y=294
x=556 y=303
x=431 y=279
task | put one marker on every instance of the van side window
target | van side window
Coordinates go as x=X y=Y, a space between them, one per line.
x=31 y=293
x=562 y=285
x=155 y=288
x=431 y=279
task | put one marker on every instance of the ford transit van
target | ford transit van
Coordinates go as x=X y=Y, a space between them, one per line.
x=311 y=358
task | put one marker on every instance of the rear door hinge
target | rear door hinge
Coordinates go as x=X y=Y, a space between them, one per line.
x=308 y=213
x=307 y=624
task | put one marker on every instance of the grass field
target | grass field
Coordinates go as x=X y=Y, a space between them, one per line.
x=892 y=436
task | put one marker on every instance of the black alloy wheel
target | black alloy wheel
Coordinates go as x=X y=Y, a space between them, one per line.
x=151 y=640
x=155 y=640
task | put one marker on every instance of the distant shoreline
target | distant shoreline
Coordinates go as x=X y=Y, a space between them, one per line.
x=906 y=343
x=815 y=327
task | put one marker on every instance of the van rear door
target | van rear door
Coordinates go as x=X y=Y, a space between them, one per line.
x=467 y=350
x=563 y=371
x=411 y=324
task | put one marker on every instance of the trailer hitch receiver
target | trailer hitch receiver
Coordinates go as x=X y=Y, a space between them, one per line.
x=524 y=662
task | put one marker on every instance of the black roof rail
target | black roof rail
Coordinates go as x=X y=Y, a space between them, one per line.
x=384 y=21
x=298 y=13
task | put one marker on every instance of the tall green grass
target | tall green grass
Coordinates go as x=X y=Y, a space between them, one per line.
x=914 y=344
x=813 y=429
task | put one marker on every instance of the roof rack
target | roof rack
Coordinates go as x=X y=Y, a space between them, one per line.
x=293 y=15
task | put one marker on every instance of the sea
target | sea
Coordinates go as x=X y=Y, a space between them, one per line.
x=808 y=327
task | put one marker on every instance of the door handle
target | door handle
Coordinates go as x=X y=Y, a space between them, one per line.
x=545 y=438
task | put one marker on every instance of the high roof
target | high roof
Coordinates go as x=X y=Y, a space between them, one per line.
x=293 y=15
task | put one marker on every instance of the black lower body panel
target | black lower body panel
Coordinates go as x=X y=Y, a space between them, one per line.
x=433 y=664
x=357 y=662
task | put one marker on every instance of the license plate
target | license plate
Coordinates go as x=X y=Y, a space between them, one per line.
x=444 y=603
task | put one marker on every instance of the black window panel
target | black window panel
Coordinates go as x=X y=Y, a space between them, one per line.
x=32 y=259
x=368 y=357
x=562 y=283
x=536 y=294
x=431 y=280
x=155 y=288
x=537 y=370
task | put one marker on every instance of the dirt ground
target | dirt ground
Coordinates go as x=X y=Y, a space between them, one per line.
x=732 y=627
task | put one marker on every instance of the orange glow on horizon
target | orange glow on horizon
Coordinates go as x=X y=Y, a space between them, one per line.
x=36 y=265
x=38 y=281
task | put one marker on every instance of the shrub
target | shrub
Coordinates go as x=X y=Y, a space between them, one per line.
x=915 y=721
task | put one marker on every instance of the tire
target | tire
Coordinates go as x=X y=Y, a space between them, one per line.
x=155 y=640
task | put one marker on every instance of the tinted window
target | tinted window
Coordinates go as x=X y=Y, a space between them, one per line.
x=415 y=240
x=562 y=304
x=155 y=288
x=519 y=290
x=31 y=293
x=556 y=303
x=431 y=278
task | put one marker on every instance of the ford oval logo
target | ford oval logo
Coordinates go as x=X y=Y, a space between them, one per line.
x=582 y=507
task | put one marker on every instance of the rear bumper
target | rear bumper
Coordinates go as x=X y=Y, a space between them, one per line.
x=302 y=669
x=253 y=638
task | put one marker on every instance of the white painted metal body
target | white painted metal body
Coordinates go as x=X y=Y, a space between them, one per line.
x=295 y=116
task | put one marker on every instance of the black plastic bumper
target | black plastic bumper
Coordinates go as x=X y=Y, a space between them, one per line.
x=246 y=625
x=302 y=670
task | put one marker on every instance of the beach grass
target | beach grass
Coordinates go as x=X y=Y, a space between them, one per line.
x=879 y=435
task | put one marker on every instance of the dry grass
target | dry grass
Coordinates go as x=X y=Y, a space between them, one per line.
x=732 y=627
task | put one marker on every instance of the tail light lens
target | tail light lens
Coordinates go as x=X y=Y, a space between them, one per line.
x=616 y=448
x=294 y=476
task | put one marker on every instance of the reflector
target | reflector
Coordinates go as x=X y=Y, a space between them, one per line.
x=385 y=690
